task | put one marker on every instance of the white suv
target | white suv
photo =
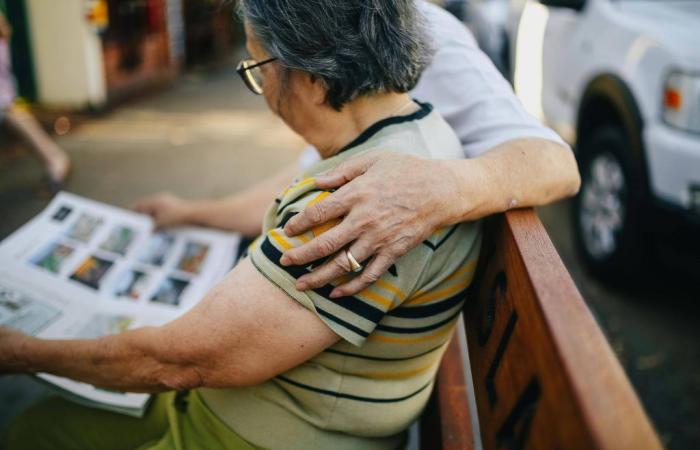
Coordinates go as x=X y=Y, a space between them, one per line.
x=620 y=80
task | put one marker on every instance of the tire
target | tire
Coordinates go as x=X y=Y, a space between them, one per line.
x=609 y=211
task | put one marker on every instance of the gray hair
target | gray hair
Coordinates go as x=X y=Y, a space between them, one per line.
x=356 y=47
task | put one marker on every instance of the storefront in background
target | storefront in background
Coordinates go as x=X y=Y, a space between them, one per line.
x=22 y=64
x=86 y=53
x=141 y=43
x=211 y=31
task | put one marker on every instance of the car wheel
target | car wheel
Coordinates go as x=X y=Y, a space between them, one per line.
x=608 y=211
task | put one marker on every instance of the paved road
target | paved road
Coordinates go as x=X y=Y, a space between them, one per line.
x=207 y=137
x=654 y=332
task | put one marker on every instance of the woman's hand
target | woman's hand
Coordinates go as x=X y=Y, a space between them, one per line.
x=165 y=208
x=397 y=201
x=389 y=202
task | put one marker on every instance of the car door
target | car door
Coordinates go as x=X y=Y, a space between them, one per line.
x=550 y=48
x=563 y=55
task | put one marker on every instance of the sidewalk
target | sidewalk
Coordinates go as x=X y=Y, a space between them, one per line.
x=207 y=136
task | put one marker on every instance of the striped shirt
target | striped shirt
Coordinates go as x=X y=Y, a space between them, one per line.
x=366 y=390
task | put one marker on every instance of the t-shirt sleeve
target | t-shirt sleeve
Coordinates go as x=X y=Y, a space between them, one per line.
x=353 y=318
x=470 y=93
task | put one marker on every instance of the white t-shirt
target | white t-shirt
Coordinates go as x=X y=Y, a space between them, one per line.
x=465 y=87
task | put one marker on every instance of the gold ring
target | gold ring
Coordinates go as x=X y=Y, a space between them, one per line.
x=354 y=265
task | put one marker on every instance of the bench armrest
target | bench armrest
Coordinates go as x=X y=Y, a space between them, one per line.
x=544 y=374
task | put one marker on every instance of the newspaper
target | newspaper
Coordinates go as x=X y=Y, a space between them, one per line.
x=83 y=269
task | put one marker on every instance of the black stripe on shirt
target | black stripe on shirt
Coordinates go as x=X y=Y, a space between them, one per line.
x=287 y=218
x=350 y=396
x=352 y=304
x=281 y=208
x=434 y=247
x=342 y=323
x=432 y=309
x=423 y=111
x=402 y=330
x=242 y=251
x=376 y=358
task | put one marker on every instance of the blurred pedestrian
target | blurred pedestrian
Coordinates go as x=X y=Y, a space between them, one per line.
x=21 y=122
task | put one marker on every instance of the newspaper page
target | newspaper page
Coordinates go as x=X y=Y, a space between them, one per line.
x=84 y=269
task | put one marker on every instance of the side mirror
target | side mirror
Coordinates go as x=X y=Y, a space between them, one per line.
x=571 y=4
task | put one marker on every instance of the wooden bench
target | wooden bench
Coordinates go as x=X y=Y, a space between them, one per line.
x=544 y=376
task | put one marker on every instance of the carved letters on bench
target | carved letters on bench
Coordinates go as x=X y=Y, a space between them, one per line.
x=544 y=375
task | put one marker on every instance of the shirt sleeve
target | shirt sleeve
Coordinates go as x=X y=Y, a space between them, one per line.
x=353 y=318
x=470 y=93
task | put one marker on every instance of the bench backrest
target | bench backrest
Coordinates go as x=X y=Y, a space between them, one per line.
x=544 y=374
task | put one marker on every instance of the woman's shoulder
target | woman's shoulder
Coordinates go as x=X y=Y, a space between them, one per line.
x=302 y=192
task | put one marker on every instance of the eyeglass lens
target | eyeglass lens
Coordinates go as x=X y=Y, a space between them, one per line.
x=253 y=77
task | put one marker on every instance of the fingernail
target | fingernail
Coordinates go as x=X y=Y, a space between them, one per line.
x=284 y=260
x=336 y=294
x=301 y=286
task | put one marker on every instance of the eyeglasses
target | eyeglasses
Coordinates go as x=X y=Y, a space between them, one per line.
x=249 y=70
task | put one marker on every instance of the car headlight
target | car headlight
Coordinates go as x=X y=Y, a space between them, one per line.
x=681 y=101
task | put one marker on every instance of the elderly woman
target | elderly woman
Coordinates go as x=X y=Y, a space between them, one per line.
x=259 y=363
x=510 y=161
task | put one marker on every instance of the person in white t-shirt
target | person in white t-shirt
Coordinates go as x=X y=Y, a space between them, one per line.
x=511 y=160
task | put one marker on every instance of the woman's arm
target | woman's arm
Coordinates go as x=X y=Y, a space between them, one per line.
x=391 y=202
x=242 y=212
x=245 y=331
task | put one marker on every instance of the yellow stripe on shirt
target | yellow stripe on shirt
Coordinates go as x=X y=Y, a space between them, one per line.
x=274 y=234
x=442 y=293
x=301 y=184
x=386 y=302
x=468 y=267
x=391 y=288
x=318 y=198
x=430 y=295
x=376 y=337
x=394 y=375
x=376 y=298
x=319 y=230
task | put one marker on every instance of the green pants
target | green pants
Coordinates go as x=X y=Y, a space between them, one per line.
x=171 y=422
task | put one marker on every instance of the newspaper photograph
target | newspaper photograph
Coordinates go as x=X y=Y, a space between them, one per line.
x=84 y=269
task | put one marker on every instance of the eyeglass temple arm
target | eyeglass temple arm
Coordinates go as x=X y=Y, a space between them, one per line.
x=260 y=63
